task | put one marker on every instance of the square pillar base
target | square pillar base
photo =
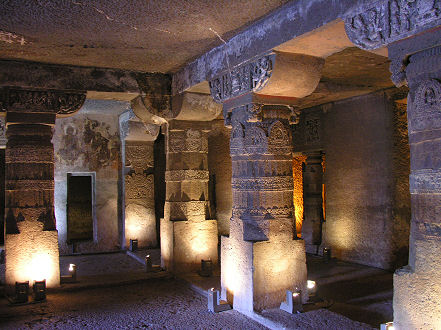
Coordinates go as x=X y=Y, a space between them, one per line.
x=256 y=276
x=32 y=255
x=417 y=292
x=185 y=243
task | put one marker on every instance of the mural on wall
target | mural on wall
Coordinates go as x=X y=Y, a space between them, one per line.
x=88 y=143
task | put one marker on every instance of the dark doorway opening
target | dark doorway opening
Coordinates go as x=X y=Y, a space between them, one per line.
x=79 y=208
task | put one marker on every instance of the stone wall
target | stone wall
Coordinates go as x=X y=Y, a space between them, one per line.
x=367 y=198
x=89 y=143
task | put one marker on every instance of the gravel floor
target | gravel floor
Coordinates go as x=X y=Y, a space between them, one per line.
x=156 y=304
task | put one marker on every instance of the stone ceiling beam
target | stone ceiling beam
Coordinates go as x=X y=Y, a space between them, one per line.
x=288 y=22
x=99 y=83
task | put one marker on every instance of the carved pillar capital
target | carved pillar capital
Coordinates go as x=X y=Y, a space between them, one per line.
x=185 y=106
x=57 y=102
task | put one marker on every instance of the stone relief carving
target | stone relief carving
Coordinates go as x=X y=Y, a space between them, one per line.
x=139 y=186
x=427 y=106
x=193 y=140
x=60 y=102
x=312 y=130
x=390 y=20
x=250 y=77
x=139 y=156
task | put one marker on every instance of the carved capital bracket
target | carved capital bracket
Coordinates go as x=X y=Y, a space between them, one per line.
x=41 y=101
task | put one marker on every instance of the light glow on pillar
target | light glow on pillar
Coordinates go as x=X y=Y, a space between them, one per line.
x=39 y=268
x=298 y=191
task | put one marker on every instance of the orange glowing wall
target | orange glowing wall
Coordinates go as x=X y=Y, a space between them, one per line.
x=298 y=191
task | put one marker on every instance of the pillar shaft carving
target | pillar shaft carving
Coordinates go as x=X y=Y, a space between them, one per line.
x=416 y=293
x=187 y=173
x=261 y=153
x=31 y=241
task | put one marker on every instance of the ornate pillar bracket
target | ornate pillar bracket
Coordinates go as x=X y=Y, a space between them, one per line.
x=387 y=21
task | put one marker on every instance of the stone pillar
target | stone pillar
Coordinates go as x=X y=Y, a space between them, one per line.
x=31 y=241
x=312 y=202
x=262 y=257
x=187 y=232
x=417 y=287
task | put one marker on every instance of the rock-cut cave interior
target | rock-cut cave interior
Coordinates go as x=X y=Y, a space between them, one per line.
x=220 y=164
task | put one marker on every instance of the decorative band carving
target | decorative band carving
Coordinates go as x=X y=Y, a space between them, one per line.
x=277 y=183
x=425 y=182
x=387 y=21
x=186 y=175
x=52 y=101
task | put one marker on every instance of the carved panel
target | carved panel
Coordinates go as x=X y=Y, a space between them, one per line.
x=139 y=156
x=243 y=79
x=390 y=20
x=312 y=130
x=60 y=102
x=279 y=140
x=426 y=112
x=139 y=186
x=190 y=175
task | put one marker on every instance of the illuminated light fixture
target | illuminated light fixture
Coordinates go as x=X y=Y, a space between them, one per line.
x=206 y=268
x=21 y=292
x=312 y=287
x=73 y=271
x=39 y=289
x=387 y=326
x=148 y=264
x=72 y=277
x=215 y=305
x=133 y=245
x=327 y=254
x=293 y=303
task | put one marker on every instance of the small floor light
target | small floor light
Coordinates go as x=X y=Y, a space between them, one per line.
x=387 y=326
x=148 y=264
x=327 y=254
x=293 y=303
x=21 y=292
x=312 y=288
x=39 y=289
x=215 y=305
x=206 y=268
x=133 y=245
x=73 y=271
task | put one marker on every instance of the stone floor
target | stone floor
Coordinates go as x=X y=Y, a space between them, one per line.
x=114 y=292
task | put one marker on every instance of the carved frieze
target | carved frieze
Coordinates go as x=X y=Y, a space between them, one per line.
x=52 y=101
x=312 y=129
x=276 y=183
x=387 y=21
x=184 y=175
x=250 y=77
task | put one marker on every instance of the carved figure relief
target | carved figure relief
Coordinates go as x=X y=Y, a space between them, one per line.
x=427 y=105
x=243 y=79
x=312 y=130
x=390 y=20
x=255 y=141
x=279 y=140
